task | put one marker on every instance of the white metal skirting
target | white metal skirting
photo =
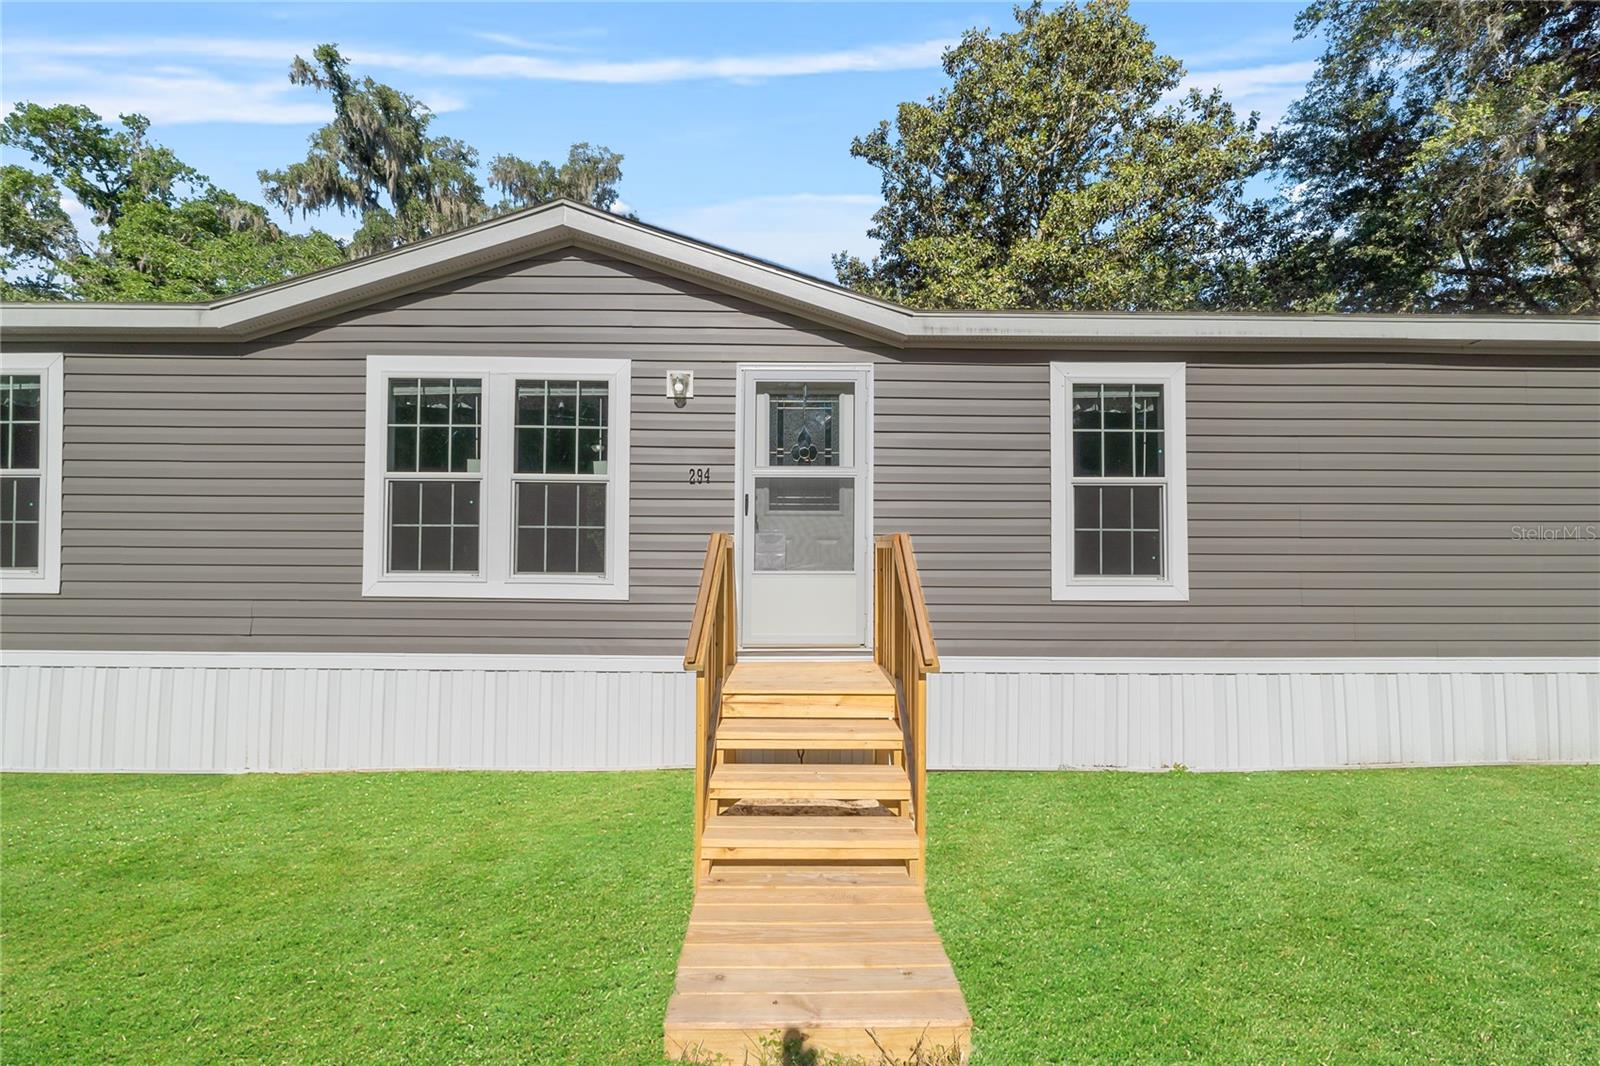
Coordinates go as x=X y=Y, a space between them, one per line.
x=1261 y=714
x=177 y=717
x=80 y=711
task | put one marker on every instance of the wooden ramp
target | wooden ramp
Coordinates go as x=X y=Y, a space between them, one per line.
x=810 y=928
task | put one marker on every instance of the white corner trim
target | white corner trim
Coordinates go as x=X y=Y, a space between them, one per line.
x=495 y=522
x=1266 y=665
x=257 y=660
x=1174 y=586
x=50 y=366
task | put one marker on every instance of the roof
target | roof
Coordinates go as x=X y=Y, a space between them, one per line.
x=564 y=223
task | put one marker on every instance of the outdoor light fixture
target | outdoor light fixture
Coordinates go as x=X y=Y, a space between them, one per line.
x=680 y=386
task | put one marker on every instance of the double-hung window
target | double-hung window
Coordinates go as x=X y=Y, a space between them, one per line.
x=496 y=477
x=1118 y=486
x=30 y=472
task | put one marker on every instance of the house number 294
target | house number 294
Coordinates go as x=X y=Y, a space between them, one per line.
x=699 y=475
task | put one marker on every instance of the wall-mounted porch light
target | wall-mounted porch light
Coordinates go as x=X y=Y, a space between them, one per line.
x=680 y=386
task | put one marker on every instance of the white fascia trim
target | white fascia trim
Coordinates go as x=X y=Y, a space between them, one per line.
x=1175 y=586
x=1268 y=665
x=50 y=366
x=256 y=660
x=496 y=582
x=564 y=222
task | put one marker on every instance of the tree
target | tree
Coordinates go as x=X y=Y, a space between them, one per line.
x=164 y=231
x=198 y=249
x=589 y=176
x=36 y=236
x=1445 y=156
x=104 y=169
x=378 y=161
x=1056 y=172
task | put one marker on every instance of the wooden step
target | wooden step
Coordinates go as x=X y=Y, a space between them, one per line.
x=808 y=734
x=859 y=678
x=806 y=837
x=736 y=781
x=807 y=705
x=782 y=879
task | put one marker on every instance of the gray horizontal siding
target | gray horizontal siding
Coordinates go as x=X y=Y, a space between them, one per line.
x=1338 y=506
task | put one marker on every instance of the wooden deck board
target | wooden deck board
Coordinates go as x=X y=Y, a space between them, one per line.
x=816 y=734
x=838 y=781
x=808 y=678
x=848 y=960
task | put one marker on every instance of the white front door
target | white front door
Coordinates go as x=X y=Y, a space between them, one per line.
x=805 y=506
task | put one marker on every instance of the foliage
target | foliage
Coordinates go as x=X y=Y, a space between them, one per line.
x=378 y=161
x=105 y=169
x=197 y=250
x=1379 y=916
x=1445 y=156
x=165 y=232
x=1055 y=172
x=36 y=236
x=589 y=176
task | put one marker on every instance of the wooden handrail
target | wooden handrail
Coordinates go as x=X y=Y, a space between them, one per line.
x=905 y=561
x=700 y=625
x=711 y=651
x=905 y=649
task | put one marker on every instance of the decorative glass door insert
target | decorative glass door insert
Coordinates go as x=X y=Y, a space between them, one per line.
x=804 y=528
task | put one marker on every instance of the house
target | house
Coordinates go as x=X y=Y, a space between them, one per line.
x=449 y=507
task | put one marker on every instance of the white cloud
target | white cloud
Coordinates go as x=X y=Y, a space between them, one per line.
x=171 y=94
x=82 y=218
x=250 y=48
x=511 y=40
x=1268 y=88
x=174 y=97
x=881 y=57
x=801 y=230
x=1260 y=46
x=910 y=56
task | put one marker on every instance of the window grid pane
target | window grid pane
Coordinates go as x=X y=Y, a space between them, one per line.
x=20 y=424
x=1117 y=530
x=560 y=527
x=19 y=523
x=435 y=425
x=562 y=427
x=433 y=526
x=1118 y=431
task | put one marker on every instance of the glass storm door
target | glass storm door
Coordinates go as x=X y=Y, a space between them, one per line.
x=805 y=507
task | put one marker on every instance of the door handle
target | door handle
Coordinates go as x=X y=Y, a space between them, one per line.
x=747 y=505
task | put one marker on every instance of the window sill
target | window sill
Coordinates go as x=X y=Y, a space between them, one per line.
x=475 y=589
x=1119 y=593
x=29 y=584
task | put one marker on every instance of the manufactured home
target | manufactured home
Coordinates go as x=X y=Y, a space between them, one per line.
x=450 y=507
x=563 y=491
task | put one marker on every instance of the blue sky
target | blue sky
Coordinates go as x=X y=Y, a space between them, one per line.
x=735 y=120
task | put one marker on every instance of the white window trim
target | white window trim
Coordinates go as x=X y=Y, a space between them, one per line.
x=1174 y=585
x=496 y=469
x=46 y=580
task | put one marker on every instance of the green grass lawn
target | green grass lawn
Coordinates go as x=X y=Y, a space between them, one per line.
x=1383 y=916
